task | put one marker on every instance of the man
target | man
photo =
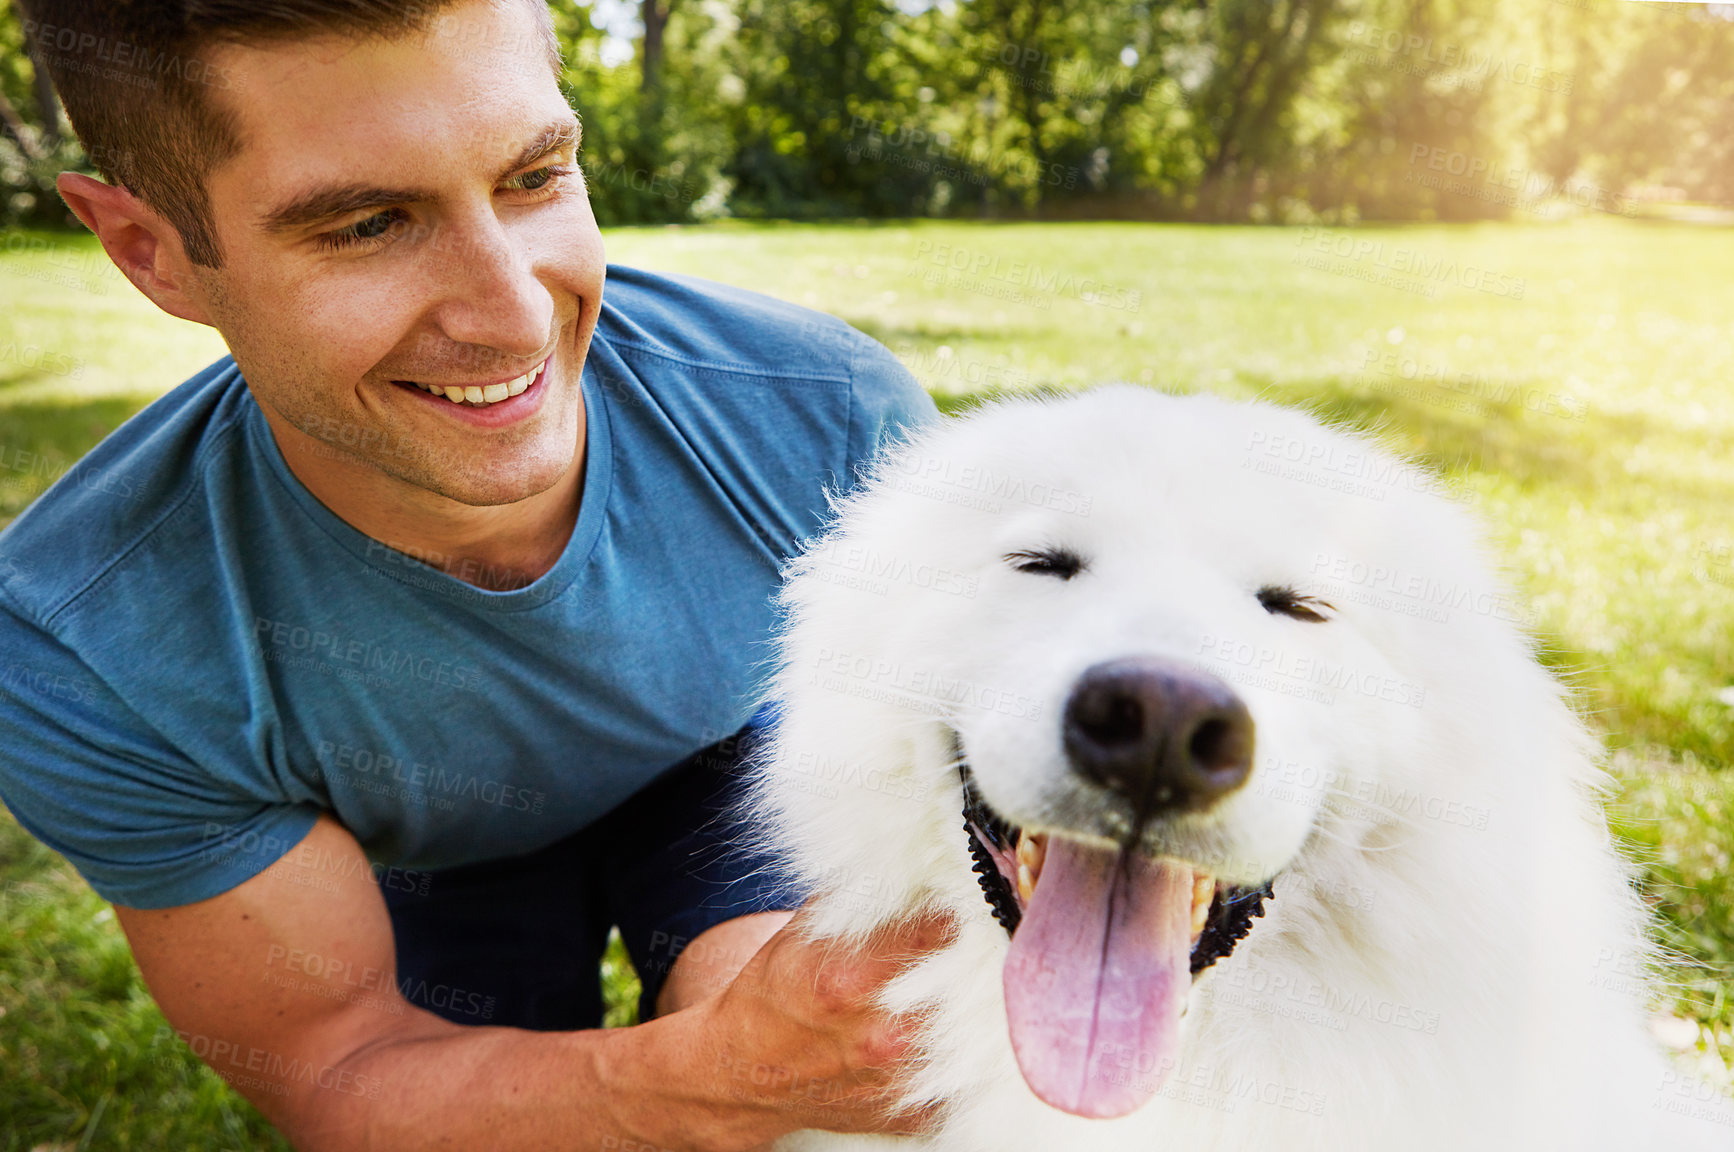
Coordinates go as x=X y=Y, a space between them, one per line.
x=353 y=671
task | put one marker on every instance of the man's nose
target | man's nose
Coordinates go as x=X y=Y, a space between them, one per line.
x=1168 y=737
x=493 y=296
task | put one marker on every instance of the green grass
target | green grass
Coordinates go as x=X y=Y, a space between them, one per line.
x=1590 y=420
x=86 y=1060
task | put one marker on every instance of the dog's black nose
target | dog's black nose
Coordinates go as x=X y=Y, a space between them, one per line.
x=1167 y=736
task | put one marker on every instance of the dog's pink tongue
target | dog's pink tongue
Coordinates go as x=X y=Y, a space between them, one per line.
x=1097 y=977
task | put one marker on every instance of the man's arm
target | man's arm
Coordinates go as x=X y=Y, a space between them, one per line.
x=715 y=958
x=286 y=985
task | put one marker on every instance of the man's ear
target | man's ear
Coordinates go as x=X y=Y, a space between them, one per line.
x=145 y=247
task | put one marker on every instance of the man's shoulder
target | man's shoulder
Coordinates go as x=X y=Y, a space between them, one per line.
x=683 y=334
x=119 y=493
x=708 y=325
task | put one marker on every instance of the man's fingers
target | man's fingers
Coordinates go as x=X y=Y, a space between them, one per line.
x=909 y=938
x=813 y=1005
x=919 y=1122
x=922 y=931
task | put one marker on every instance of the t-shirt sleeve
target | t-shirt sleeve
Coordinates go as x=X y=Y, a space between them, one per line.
x=83 y=773
x=886 y=404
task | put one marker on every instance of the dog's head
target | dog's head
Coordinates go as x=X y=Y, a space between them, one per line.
x=1103 y=667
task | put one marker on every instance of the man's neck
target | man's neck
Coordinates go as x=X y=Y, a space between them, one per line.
x=499 y=547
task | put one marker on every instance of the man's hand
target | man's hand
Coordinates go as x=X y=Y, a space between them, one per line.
x=287 y=986
x=810 y=1009
x=796 y=1040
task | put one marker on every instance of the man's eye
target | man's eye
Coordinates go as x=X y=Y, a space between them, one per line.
x=362 y=231
x=537 y=180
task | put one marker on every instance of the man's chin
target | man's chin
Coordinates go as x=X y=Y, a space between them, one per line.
x=511 y=486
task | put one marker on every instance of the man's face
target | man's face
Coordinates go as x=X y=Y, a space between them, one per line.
x=410 y=213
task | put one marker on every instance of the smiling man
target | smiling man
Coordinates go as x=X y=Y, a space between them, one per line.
x=399 y=667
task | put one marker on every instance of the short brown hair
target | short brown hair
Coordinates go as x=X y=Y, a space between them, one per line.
x=138 y=90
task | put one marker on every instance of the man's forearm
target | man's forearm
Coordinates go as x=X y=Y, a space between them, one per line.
x=659 y=1085
x=262 y=982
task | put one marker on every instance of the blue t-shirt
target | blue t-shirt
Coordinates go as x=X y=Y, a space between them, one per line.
x=197 y=657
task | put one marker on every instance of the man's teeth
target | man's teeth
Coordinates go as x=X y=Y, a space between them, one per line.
x=492 y=394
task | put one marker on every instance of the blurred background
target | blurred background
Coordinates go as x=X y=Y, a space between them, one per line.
x=1498 y=234
x=1289 y=111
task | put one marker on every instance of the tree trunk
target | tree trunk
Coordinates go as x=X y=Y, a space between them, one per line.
x=12 y=126
x=655 y=22
x=43 y=86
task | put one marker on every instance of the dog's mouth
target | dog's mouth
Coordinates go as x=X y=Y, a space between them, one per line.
x=1105 y=945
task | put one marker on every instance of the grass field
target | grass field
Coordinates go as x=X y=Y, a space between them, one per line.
x=1574 y=386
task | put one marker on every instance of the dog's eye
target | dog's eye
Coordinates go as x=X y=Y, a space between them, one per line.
x=1060 y=562
x=1283 y=599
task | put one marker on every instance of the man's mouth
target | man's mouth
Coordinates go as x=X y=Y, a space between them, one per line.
x=482 y=395
x=1105 y=945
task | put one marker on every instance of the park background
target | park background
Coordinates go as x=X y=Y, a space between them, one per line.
x=1498 y=233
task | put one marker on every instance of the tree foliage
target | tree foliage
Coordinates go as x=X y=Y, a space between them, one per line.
x=1333 y=110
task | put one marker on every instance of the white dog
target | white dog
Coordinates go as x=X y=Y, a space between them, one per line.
x=1225 y=714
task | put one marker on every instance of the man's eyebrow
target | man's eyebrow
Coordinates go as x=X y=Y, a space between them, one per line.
x=332 y=201
x=564 y=134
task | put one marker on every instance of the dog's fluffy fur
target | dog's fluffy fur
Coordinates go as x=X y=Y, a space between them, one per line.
x=1454 y=956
